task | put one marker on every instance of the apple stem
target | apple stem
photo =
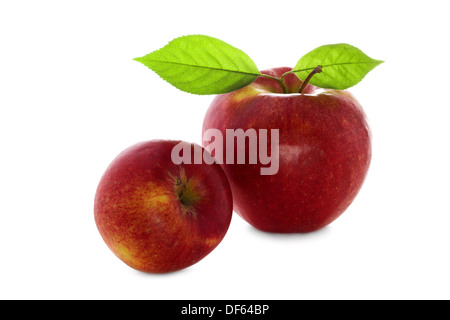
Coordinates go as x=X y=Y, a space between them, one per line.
x=276 y=79
x=317 y=69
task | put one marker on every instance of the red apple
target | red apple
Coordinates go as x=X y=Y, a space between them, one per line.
x=157 y=216
x=324 y=152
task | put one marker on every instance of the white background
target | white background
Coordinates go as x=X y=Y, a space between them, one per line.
x=72 y=98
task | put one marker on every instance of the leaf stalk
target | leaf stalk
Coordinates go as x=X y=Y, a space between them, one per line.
x=276 y=79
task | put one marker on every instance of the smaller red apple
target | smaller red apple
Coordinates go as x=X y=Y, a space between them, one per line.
x=157 y=216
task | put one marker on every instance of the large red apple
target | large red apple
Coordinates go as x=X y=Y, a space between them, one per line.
x=158 y=216
x=324 y=152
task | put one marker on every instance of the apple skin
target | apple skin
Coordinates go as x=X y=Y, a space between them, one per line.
x=324 y=152
x=143 y=218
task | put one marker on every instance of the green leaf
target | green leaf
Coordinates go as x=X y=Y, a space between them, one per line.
x=343 y=66
x=202 y=65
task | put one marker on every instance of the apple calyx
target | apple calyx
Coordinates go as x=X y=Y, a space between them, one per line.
x=186 y=193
